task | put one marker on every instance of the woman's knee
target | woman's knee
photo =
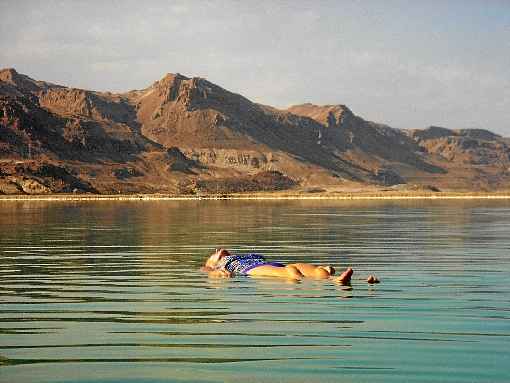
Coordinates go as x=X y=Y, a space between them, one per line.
x=322 y=273
x=293 y=272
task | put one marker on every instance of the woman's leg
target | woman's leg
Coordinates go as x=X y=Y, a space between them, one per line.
x=329 y=269
x=289 y=271
x=312 y=271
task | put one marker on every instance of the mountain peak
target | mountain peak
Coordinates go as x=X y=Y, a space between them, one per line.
x=9 y=75
x=20 y=81
x=328 y=107
x=171 y=77
x=328 y=115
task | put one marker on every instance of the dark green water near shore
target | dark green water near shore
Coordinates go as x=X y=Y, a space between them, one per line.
x=111 y=292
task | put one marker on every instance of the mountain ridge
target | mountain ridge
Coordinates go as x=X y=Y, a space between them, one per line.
x=181 y=133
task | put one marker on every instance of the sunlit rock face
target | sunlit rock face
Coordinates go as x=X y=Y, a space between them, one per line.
x=189 y=131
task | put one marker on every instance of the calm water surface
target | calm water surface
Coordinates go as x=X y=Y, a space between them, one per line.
x=110 y=292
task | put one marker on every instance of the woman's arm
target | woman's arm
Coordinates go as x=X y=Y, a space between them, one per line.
x=216 y=273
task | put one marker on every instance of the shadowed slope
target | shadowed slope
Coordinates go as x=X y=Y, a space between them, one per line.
x=183 y=131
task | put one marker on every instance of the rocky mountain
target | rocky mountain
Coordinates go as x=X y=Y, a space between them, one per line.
x=188 y=135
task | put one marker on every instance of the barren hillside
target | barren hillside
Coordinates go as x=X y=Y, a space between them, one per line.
x=188 y=135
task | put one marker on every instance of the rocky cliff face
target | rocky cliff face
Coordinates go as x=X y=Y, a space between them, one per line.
x=186 y=134
x=477 y=158
x=361 y=141
x=469 y=147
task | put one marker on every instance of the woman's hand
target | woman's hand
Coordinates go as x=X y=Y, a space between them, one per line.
x=220 y=274
x=216 y=273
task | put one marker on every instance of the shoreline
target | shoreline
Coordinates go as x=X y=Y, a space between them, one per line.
x=261 y=196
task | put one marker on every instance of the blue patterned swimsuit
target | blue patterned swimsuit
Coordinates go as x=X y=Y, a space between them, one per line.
x=241 y=264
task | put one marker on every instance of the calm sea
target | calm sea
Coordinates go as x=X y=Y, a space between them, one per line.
x=111 y=292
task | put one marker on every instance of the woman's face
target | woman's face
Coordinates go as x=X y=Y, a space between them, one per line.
x=215 y=257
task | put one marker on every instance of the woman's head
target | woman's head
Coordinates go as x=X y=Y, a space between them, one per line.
x=215 y=257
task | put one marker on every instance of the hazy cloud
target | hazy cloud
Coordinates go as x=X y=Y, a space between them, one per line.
x=408 y=64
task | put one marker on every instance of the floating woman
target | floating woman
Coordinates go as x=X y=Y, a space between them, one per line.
x=223 y=264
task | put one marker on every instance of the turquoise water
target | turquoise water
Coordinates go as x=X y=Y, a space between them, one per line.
x=110 y=292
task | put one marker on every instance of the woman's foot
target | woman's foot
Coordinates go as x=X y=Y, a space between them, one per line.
x=345 y=277
x=372 y=279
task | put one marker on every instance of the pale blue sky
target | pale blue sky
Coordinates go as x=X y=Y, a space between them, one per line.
x=409 y=64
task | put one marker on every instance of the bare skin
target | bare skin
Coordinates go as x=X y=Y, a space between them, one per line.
x=312 y=271
x=291 y=271
x=373 y=279
x=345 y=277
